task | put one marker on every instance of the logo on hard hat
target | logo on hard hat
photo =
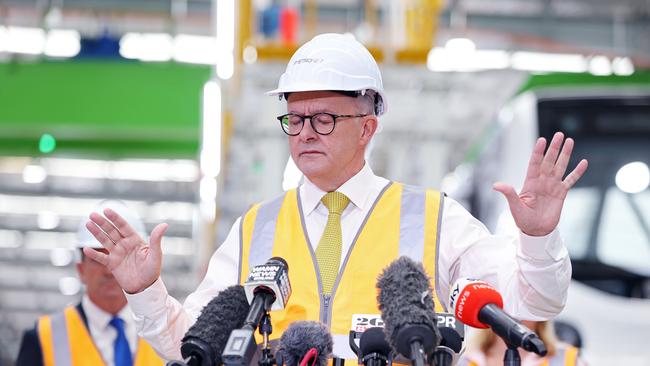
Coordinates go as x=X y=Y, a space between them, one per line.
x=308 y=61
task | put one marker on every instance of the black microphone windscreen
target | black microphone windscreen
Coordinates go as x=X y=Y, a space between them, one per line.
x=373 y=340
x=224 y=313
x=405 y=298
x=300 y=337
x=450 y=338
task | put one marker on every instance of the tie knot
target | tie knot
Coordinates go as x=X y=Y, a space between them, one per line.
x=335 y=202
x=117 y=323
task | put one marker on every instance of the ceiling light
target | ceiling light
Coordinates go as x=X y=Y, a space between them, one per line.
x=69 y=285
x=47 y=220
x=25 y=40
x=600 y=66
x=633 y=177
x=622 y=66
x=62 y=43
x=61 y=257
x=548 y=62
x=34 y=174
x=195 y=49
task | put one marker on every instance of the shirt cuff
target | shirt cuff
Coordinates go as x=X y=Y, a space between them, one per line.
x=149 y=300
x=545 y=247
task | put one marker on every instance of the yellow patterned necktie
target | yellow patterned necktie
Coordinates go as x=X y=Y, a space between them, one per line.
x=328 y=253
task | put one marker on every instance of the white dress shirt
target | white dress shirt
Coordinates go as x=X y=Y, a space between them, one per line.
x=532 y=273
x=104 y=334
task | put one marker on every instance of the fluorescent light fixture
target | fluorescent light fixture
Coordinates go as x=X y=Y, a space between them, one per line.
x=62 y=43
x=69 y=285
x=210 y=158
x=208 y=197
x=548 y=62
x=34 y=174
x=195 y=49
x=61 y=257
x=25 y=40
x=622 y=66
x=146 y=46
x=250 y=55
x=225 y=38
x=4 y=38
x=10 y=238
x=633 y=177
x=208 y=189
x=226 y=24
x=47 y=220
x=459 y=59
x=600 y=66
x=155 y=169
x=225 y=66
x=460 y=45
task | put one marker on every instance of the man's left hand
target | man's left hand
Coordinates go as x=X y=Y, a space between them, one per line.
x=536 y=210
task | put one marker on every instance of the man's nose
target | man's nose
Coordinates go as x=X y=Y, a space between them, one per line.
x=307 y=132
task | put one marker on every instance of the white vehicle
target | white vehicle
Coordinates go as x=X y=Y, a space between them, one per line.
x=606 y=218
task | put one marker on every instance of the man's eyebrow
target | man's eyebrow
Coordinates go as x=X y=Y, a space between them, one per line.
x=313 y=111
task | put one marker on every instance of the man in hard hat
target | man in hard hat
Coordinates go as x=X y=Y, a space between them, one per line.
x=344 y=224
x=99 y=330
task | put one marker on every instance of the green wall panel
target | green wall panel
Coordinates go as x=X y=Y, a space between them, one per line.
x=102 y=109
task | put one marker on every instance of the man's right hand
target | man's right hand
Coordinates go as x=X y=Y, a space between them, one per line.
x=134 y=263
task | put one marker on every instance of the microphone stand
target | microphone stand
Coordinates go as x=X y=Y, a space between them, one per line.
x=511 y=357
x=265 y=330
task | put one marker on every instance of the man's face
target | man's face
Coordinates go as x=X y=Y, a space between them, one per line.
x=101 y=286
x=336 y=157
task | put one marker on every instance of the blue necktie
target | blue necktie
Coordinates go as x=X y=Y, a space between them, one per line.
x=122 y=354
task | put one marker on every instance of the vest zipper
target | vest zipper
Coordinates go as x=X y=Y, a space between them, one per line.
x=326 y=309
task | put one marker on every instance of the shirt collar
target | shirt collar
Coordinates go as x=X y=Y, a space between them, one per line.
x=99 y=317
x=355 y=189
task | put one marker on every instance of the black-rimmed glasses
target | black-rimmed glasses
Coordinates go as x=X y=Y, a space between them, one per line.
x=323 y=123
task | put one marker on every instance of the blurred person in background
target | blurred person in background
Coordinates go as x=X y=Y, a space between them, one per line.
x=485 y=348
x=100 y=329
x=343 y=225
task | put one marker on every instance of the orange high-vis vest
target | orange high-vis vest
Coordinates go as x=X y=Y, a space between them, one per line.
x=404 y=221
x=65 y=341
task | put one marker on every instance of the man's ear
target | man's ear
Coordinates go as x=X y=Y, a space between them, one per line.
x=81 y=271
x=368 y=128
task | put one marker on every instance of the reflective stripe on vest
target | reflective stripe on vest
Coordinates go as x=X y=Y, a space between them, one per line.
x=564 y=356
x=402 y=221
x=65 y=341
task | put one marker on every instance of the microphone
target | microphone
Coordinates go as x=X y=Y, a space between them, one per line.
x=479 y=305
x=374 y=350
x=305 y=343
x=406 y=305
x=270 y=278
x=267 y=288
x=450 y=344
x=204 y=342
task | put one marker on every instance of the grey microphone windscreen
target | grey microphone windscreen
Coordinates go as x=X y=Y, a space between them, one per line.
x=405 y=300
x=300 y=337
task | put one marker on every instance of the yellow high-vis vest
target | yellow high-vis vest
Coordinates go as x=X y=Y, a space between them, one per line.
x=65 y=341
x=404 y=221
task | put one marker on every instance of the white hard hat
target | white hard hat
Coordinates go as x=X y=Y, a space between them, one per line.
x=86 y=239
x=336 y=62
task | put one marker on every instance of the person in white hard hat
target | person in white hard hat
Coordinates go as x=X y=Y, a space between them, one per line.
x=100 y=329
x=344 y=224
